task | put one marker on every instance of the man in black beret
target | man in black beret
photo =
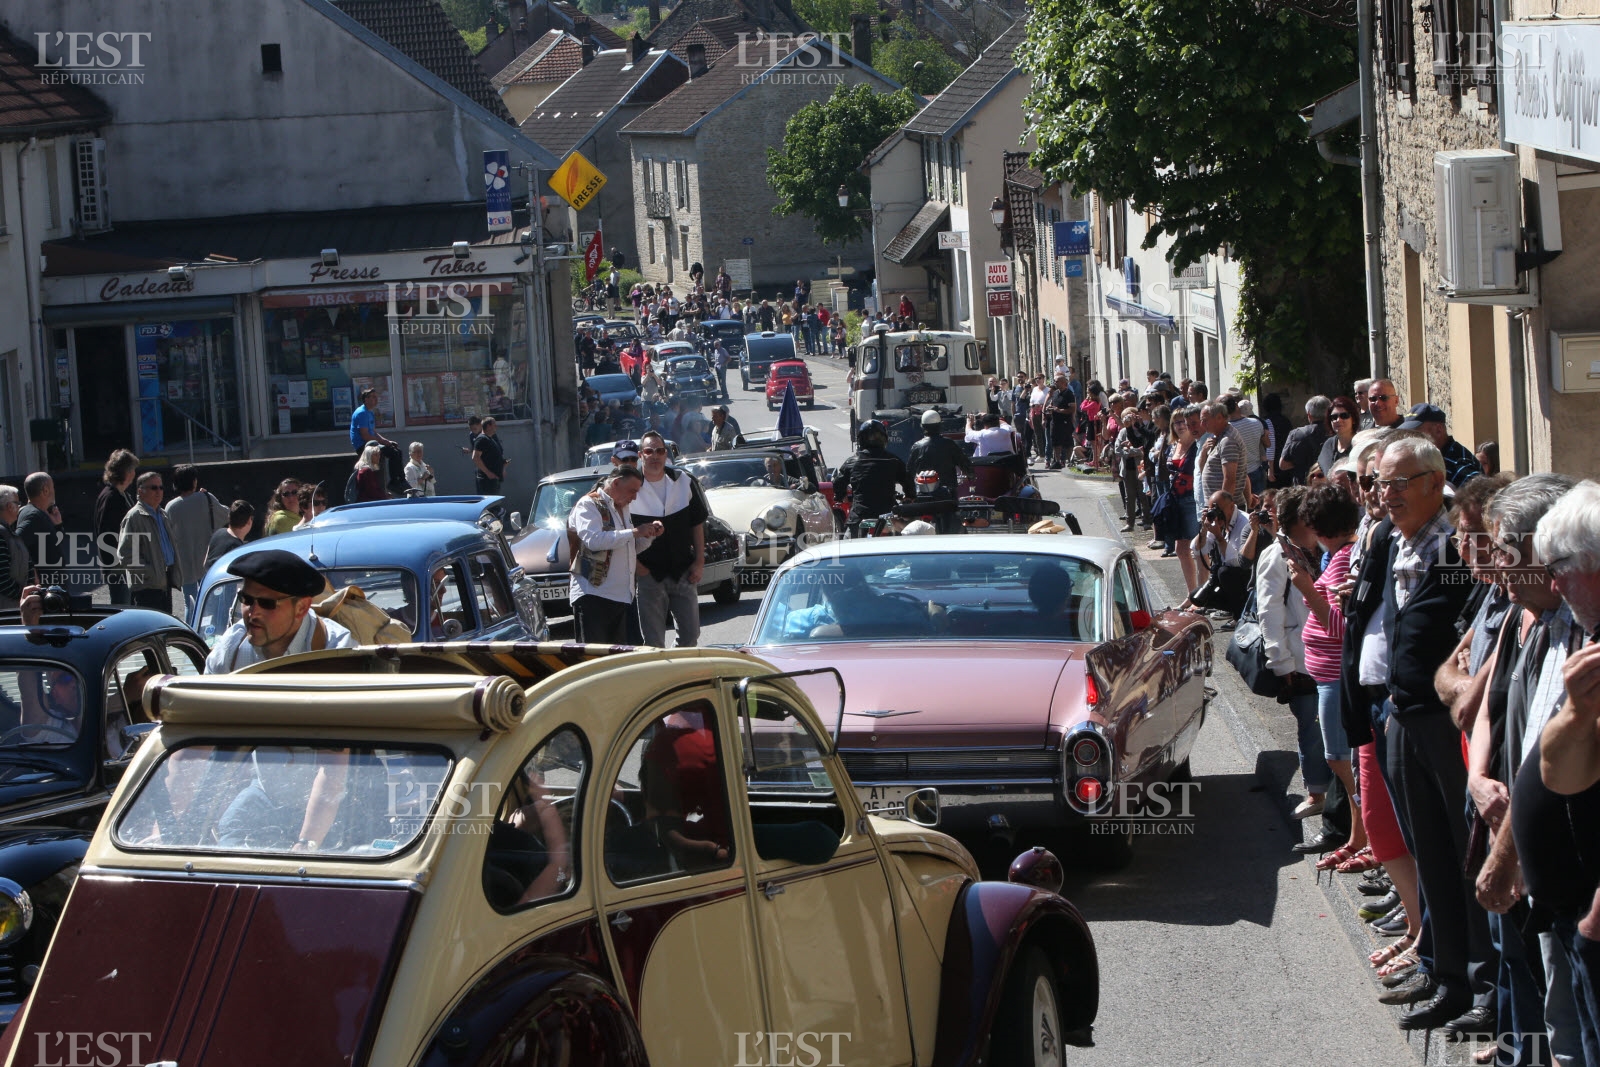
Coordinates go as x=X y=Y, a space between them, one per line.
x=275 y=613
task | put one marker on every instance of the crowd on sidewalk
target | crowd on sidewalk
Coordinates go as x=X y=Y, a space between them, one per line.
x=1430 y=623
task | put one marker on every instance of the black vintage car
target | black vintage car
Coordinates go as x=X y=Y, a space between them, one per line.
x=70 y=716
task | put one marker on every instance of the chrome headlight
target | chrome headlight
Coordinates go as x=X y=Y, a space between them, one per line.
x=16 y=911
x=776 y=517
x=758 y=526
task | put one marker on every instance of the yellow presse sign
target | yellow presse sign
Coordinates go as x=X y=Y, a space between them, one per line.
x=577 y=181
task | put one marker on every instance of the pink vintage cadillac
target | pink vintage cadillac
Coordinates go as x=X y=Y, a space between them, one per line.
x=1031 y=679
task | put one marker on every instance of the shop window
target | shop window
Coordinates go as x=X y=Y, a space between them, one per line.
x=188 y=385
x=458 y=352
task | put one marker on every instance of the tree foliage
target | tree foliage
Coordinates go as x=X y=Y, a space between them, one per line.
x=833 y=16
x=906 y=47
x=1190 y=107
x=824 y=145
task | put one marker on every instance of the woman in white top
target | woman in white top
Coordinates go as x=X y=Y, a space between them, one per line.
x=419 y=475
x=1282 y=613
x=605 y=556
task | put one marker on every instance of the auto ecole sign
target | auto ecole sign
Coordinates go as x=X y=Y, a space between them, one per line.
x=997 y=274
x=577 y=181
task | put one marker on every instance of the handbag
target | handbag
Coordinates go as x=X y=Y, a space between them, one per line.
x=1247 y=652
x=1161 y=505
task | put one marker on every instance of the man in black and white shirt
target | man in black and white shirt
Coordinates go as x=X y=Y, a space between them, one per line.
x=670 y=569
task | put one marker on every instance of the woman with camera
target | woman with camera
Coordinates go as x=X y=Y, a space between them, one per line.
x=1282 y=615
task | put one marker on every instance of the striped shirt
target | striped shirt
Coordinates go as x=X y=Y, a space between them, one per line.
x=1417 y=553
x=1324 y=644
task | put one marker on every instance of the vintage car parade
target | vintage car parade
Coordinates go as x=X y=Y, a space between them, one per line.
x=733 y=533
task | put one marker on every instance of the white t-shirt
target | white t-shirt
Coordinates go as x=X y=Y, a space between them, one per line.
x=664 y=497
x=989 y=442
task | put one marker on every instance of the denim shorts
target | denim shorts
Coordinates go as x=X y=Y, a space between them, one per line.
x=1335 y=746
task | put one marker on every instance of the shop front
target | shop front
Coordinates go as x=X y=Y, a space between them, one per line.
x=145 y=361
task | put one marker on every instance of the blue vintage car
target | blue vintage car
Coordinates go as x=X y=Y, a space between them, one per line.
x=70 y=716
x=438 y=565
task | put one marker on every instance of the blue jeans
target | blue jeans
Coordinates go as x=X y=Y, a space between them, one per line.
x=1583 y=960
x=1334 y=745
x=191 y=593
x=1258 y=478
x=1313 y=764
x=1519 y=1008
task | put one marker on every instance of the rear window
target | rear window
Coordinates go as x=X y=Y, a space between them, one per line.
x=353 y=802
x=41 y=706
x=791 y=372
x=768 y=349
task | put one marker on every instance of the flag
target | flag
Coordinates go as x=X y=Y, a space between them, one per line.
x=789 y=423
x=592 y=257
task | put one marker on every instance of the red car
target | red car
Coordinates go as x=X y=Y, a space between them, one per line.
x=785 y=373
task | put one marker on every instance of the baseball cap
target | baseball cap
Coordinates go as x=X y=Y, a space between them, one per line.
x=625 y=450
x=1420 y=414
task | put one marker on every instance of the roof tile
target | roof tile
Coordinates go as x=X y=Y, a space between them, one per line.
x=29 y=106
x=947 y=110
x=421 y=30
x=695 y=99
x=566 y=117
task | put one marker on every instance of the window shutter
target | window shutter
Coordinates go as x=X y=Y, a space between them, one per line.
x=1483 y=50
x=89 y=158
x=1446 y=53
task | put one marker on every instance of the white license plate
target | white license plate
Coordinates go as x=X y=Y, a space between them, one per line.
x=553 y=592
x=883 y=796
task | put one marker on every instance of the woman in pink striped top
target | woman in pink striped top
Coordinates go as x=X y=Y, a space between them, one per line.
x=1333 y=517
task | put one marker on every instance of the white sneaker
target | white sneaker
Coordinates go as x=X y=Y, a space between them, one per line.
x=1309 y=807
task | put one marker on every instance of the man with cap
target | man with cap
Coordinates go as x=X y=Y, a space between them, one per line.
x=624 y=454
x=276 y=616
x=1460 y=465
x=724 y=429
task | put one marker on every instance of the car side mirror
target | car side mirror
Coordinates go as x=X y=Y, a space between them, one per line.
x=516 y=521
x=1141 y=620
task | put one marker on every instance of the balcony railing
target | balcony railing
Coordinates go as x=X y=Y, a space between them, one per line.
x=657 y=205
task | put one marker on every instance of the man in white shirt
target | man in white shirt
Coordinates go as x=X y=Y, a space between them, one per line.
x=606 y=556
x=989 y=436
x=276 y=616
x=1223 y=526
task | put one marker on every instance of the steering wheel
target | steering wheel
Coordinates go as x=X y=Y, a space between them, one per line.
x=61 y=737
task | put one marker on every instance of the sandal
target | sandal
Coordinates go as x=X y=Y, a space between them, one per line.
x=1334 y=858
x=1403 y=962
x=1390 y=951
x=1360 y=862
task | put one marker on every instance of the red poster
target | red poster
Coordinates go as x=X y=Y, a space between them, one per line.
x=999 y=303
x=592 y=257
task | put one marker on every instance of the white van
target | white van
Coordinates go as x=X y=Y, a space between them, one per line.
x=908 y=372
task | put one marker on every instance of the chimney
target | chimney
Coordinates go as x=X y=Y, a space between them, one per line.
x=588 y=52
x=697 y=60
x=491 y=30
x=638 y=46
x=519 y=35
x=861 y=39
x=655 y=13
x=580 y=27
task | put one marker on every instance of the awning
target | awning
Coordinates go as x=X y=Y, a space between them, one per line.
x=909 y=244
x=1139 y=313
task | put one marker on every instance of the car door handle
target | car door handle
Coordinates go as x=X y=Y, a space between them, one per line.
x=771 y=889
x=621 y=921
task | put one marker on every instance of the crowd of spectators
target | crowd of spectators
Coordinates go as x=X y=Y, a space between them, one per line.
x=1430 y=623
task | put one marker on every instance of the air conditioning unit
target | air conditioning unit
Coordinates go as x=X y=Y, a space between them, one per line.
x=1575 y=362
x=1478 y=199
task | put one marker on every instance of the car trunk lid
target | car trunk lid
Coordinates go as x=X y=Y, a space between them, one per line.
x=190 y=967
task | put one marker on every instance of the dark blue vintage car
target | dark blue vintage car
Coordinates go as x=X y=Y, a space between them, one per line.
x=438 y=565
x=70 y=715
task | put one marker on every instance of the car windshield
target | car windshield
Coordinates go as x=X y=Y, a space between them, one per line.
x=682 y=367
x=610 y=384
x=942 y=596
x=737 y=470
x=624 y=330
x=726 y=330
x=364 y=802
x=41 y=706
x=920 y=356
x=395 y=591
x=555 y=501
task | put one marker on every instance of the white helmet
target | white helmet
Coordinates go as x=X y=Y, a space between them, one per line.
x=932 y=418
x=921 y=526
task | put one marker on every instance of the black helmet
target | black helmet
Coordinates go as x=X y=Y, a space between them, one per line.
x=872 y=428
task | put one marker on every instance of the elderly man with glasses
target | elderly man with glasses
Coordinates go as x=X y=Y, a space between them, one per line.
x=1424 y=587
x=145 y=547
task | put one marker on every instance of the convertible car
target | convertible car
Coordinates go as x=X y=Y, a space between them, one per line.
x=540 y=546
x=769 y=497
x=1031 y=678
x=538 y=855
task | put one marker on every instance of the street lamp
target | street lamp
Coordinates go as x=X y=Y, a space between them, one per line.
x=844 y=196
x=997 y=213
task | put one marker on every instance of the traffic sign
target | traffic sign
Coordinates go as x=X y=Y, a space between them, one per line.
x=949 y=239
x=1074 y=267
x=748 y=241
x=1000 y=303
x=997 y=274
x=577 y=181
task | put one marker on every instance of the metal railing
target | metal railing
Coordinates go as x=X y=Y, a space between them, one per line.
x=657 y=205
x=190 y=422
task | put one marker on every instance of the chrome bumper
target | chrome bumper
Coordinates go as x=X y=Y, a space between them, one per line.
x=974 y=806
x=767 y=553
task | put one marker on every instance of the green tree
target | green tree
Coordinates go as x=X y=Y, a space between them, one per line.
x=833 y=16
x=824 y=145
x=906 y=47
x=1190 y=108
x=468 y=15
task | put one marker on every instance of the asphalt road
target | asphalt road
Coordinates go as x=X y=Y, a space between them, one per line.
x=1217 y=944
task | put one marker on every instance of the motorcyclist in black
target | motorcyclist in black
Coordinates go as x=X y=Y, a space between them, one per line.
x=870 y=476
x=939 y=454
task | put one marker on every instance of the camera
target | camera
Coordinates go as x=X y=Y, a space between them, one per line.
x=1264 y=517
x=1212 y=513
x=54 y=600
